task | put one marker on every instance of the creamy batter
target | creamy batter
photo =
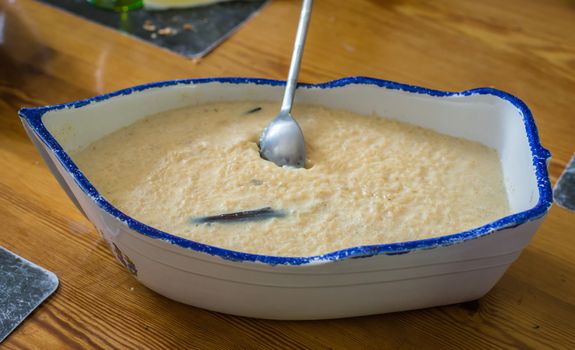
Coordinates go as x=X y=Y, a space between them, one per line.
x=368 y=180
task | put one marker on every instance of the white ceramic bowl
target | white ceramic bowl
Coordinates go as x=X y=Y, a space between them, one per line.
x=351 y=282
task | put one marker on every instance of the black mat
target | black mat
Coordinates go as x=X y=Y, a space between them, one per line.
x=192 y=32
x=23 y=287
x=564 y=192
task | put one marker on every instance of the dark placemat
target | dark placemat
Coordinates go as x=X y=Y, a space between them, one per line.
x=23 y=287
x=192 y=32
x=564 y=192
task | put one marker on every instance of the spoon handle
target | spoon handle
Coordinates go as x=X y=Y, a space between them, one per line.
x=296 y=56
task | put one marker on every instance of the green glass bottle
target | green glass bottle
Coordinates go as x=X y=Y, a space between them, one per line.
x=117 y=5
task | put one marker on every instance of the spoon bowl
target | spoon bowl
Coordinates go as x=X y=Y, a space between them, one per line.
x=282 y=142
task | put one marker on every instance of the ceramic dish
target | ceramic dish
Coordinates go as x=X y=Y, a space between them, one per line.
x=351 y=282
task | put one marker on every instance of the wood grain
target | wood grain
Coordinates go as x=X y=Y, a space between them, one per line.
x=526 y=47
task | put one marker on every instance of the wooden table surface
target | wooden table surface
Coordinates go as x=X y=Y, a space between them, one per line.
x=526 y=47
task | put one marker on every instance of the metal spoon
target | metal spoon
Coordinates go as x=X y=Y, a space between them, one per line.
x=282 y=141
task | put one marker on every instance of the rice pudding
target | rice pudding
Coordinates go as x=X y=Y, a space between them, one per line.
x=368 y=180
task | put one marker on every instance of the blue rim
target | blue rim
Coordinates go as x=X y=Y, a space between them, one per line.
x=33 y=117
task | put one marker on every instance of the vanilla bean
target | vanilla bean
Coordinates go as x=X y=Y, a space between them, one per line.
x=257 y=109
x=241 y=216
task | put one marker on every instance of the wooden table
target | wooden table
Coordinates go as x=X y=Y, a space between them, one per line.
x=47 y=56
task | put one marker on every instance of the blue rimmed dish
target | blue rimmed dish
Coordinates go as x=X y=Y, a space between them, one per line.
x=350 y=282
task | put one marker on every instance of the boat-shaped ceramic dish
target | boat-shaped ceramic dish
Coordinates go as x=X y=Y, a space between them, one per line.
x=351 y=282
